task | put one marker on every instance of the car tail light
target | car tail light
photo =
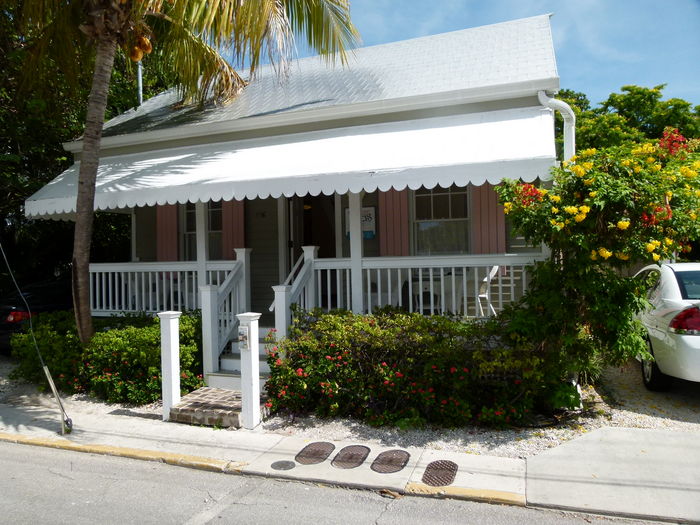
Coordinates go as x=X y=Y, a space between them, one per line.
x=17 y=316
x=687 y=322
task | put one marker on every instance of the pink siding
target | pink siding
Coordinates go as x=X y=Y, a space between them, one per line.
x=166 y=233
x=488 y=221
x=393 y=223
x=233 y=227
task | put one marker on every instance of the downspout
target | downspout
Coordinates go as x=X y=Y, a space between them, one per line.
x=569 y=121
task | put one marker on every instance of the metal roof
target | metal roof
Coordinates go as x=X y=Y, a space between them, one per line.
x=482 y=59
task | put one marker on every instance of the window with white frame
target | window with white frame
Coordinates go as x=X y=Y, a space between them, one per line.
x=441 y=221
x=214 y=231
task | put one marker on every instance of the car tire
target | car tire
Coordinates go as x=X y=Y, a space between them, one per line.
x=654 y=379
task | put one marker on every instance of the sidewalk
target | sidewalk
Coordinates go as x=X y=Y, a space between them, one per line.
x=652 y=474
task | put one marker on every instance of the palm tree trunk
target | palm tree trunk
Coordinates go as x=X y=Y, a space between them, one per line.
x=89 y=162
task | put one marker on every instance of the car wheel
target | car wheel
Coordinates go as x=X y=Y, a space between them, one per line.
x=654 y=379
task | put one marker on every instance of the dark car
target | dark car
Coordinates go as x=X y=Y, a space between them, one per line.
x=45 y=296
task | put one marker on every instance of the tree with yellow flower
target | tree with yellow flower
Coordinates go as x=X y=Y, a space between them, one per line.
x=608 y=211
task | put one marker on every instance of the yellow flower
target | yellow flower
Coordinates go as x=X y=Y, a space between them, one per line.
x=594 y=255
x=593 y=193
x=637 y=169
x=655 y=256
x=626 y=162
x=650 y=247
x=555 y=210
x=651 y=160
x=656 y=243
x=656 y=168
x=579 y=217
x=588 y=152
x=572 y=210
x=578 y=170
x=622 y=256
x=669 y=194
x=507 y=207
x=668 y=242
x=584 y=209
x=623 y=225
x=588 y=182
x=588 y=165
x=604 y=253
x=693 y=215
x=555 y=198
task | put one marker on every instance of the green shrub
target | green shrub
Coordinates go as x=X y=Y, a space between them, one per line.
x=119 y=364
x=60 y=347
x=403 y=369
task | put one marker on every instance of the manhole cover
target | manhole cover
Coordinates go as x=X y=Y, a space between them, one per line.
x=283 y=465
x=390 y=461
x=315 y=453
x=351 y=456
x=440 y=473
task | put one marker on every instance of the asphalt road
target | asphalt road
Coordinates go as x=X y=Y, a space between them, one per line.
x=41 y=485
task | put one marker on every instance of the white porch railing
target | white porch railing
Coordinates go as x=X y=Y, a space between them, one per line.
x=469 y=285
x=151 y=287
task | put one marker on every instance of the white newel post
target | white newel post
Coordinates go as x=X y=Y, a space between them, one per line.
x=210 y=328
x=310 y=253
x=170 y=360
x=355 y=206
x=283 y=317
x=243 y=255
x=248 y=345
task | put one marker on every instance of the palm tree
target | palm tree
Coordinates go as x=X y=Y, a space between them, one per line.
x=188 y=35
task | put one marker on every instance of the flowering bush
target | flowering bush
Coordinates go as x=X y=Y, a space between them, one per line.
x=404 y=369
x=607 y=210
x=120 y=364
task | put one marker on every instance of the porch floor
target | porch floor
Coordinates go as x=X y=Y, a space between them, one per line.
x=213 y=407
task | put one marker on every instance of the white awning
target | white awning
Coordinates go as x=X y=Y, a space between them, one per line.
x=460 y=149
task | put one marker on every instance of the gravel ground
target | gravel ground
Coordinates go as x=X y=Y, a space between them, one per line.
x=620 y=400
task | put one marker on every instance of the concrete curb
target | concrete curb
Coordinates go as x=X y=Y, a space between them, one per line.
x=236 y=467
x=178 y=460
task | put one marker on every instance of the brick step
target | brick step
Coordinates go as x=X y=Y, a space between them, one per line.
x=213 y=407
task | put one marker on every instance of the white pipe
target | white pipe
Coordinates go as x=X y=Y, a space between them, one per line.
x=139 y=78
x=569 y=121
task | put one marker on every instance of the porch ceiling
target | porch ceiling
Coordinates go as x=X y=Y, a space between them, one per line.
x=470 y=148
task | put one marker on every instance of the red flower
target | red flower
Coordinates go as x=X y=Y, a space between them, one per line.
x=399 y=374
x=268 y=404
x=453 y=370
x=278 y=362
x=300 y=372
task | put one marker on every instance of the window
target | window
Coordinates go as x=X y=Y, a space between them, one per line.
x=214 y=229
x=441 y=225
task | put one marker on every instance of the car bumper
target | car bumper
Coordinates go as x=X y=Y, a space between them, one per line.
x=686 y=353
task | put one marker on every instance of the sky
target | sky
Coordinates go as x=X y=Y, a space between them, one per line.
x=600 y=45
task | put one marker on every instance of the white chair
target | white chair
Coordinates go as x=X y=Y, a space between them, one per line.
x=485 y=293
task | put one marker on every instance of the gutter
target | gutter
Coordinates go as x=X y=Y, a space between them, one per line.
x=569 y=121
x=328 y=113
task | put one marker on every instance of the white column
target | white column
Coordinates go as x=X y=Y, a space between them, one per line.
x=339 y=231
x=248 y=345
x=208 y=296
x=133 y=235
x=355 y=204
x=283 y=316
x=310 y=253
x=283 y=239
x=243 y=255
x=170 y=360
x=200 y=209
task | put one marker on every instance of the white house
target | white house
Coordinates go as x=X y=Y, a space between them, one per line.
x=383 y=170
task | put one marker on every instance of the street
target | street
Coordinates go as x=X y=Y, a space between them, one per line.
x=57 y=486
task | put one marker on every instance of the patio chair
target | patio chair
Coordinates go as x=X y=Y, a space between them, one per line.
x=485 y=293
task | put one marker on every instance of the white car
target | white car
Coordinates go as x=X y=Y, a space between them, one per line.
x=673 y=324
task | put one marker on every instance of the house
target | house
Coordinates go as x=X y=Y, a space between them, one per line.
x=352 y=187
